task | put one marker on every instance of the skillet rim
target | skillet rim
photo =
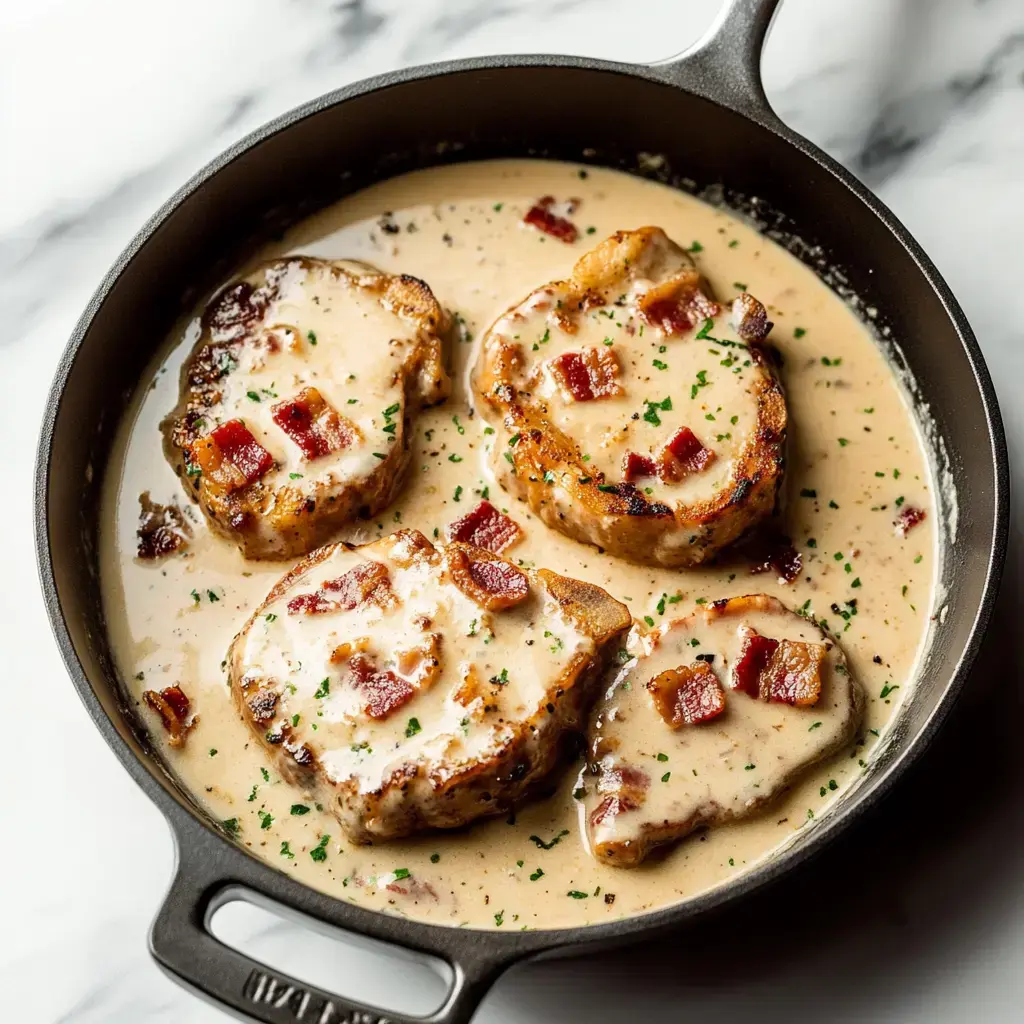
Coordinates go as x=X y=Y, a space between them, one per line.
x=490 y=945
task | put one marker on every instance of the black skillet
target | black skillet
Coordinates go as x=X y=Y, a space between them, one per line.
x=706 y=114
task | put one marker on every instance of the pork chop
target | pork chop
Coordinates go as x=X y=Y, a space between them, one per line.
x=632 y=413
x=407 y=687
x=297 y=401
x=712 y=717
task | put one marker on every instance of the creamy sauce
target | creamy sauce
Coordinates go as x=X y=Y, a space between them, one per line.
x=854 y=460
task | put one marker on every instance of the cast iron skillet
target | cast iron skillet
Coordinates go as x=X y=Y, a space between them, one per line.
x=706 y=113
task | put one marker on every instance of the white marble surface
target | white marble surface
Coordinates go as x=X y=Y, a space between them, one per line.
x=106 y=106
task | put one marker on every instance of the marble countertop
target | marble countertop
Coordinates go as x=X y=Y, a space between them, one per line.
x=106 y=107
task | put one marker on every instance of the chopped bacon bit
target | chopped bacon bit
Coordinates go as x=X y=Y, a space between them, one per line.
x=313 y=425
x=635 y=466
x=687 y=695
x=908 y=518
x=793 y=673
x=231 y=457
x=587 y=375
x=162 y=530
x=173 y=707
x=490 y=581
x=610 y=808
x=365 y=583
x=750 y=318
x=771 y=551
x=669 y=315
x=486 y=527
x=754 y=657
x=310 y=604
x=684 y=454
x=615 y=777
x=678 y=305
x=384 y=691
x=782 y=671
x=540 y=216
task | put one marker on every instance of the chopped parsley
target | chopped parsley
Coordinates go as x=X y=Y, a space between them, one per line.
x=651 y=412
x=412 y=727
x=553 y=842
x=325 y=688
x=319 y=852
x=299 y=809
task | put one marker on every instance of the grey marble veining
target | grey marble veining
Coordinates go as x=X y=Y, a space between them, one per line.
x=106 y=107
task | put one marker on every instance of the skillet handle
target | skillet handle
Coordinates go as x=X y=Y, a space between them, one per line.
x=725 y=64
x=183 y=946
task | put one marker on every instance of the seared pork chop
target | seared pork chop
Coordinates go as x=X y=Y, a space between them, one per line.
x=714 y=715
x=297 y=401
x=408 y=687
x=632 y=412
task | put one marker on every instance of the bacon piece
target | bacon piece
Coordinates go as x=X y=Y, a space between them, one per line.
x=793 y=673
x=627 y=787
x=540 y=216
x=611 y=807
x=684 y=454
x=750 y=318
x=174 y=709
x=366 y=583
x=486 y=527
x=310 y=421
x=908 y=518
x=687 y=695
x=587 y=375
x=618 y=777
x=385 y=692
x=676 y=306
x=783 y=671
x=668 y=315
x=230 y=457
x=490 y=581
x=635 y=466
x=162 y=530
x=755 y=654
x=772 y=551
x=311 y=604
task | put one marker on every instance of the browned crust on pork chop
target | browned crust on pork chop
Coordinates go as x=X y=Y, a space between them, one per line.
x=616 y=515
x=418 y=790
x=274 y=516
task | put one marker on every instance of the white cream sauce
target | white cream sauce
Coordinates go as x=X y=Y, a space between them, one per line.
x=855 y=458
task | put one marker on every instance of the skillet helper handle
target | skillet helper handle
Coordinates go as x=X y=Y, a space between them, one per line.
x=182 y=944
x=725 y=64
